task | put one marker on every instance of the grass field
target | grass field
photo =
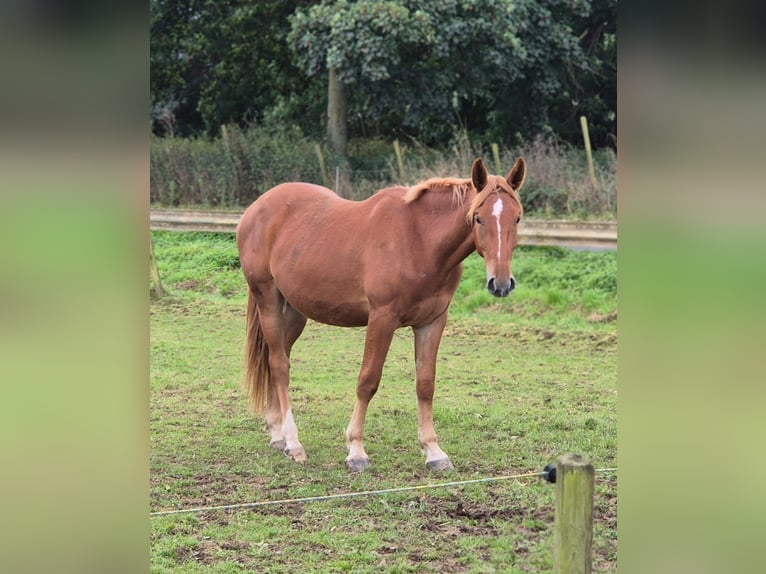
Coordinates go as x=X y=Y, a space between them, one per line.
x=519 y=382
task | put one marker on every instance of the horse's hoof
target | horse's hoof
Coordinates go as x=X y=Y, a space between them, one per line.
x=297 y=454
x=358 y=464
x=279 y=444
x=441 y=464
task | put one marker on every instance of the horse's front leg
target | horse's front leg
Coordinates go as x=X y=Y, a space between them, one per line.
x=380 y=331
x=427 y=339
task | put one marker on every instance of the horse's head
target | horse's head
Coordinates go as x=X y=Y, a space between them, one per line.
x=495 y=214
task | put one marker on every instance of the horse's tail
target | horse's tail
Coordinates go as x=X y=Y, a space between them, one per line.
x=257 y=372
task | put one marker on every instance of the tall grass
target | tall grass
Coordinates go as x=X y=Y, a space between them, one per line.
x=230 y=171
x=558 y=182
x=235 y=168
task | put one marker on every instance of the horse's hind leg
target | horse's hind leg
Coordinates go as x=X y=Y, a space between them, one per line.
x=427 y=339
x=280 y=329
x=273 y=416
x=293 y=323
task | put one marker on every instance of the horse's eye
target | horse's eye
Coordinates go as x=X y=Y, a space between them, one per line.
x=518 y=219
x=478 y=219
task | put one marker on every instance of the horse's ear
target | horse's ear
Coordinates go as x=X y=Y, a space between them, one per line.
x=517 y=175
x=479 y=175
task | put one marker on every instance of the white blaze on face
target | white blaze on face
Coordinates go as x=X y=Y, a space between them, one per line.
x=497 y=209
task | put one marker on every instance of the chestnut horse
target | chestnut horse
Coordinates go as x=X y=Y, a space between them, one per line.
x=390 y=261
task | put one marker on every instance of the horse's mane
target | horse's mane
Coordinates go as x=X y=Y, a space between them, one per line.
x=459 y=188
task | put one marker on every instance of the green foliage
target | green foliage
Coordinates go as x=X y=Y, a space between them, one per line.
x=364 y=41
x=214 y=63
x=507 y=69
x=410 y=63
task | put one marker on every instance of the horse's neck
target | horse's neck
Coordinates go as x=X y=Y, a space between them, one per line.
x=462 y=243
x=452 y=235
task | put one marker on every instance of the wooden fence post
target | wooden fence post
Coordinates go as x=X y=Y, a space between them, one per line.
x=588 y=152
x=496 y=157
x=573 y=523
x=322 y=165
x=154 y=270
x=400 y=160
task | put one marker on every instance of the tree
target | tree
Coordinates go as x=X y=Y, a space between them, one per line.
x=218 y=62
x=409 y=64
x=505 y=69
x=551 y=72
x=354 y=43
x=594 y=90
x=175 y=65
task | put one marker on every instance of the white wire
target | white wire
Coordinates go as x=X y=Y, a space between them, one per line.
x=351 y=494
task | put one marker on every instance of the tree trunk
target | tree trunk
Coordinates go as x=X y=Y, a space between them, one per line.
x=337 y=130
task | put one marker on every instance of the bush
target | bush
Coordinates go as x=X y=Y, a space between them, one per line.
x=230 y=171
x=235 y=168
x=558 y=182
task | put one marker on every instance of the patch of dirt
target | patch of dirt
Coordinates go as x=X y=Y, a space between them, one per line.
x=209 y=552
x=481 y=512
x=190 y=285
x=605 y=522
x=194 y=285
x=444 y=563
x=237 y=545
x=599 y=318
x=196 y=554
x=607 y=341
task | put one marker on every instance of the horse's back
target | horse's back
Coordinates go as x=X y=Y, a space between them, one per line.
x=286 y=194
x=298 y=191
x=292 y=210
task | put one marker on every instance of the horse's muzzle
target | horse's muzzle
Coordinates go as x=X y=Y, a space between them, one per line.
x=501 y=289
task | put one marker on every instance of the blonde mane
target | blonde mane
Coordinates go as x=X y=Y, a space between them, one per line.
x=460 y=188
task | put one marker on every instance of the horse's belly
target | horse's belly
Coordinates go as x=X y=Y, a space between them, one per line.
x=325 y=306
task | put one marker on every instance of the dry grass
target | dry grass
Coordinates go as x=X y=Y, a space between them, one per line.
x=233 y=170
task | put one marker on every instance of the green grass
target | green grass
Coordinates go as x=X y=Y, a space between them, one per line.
x=556 y=287
x=519 y=382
